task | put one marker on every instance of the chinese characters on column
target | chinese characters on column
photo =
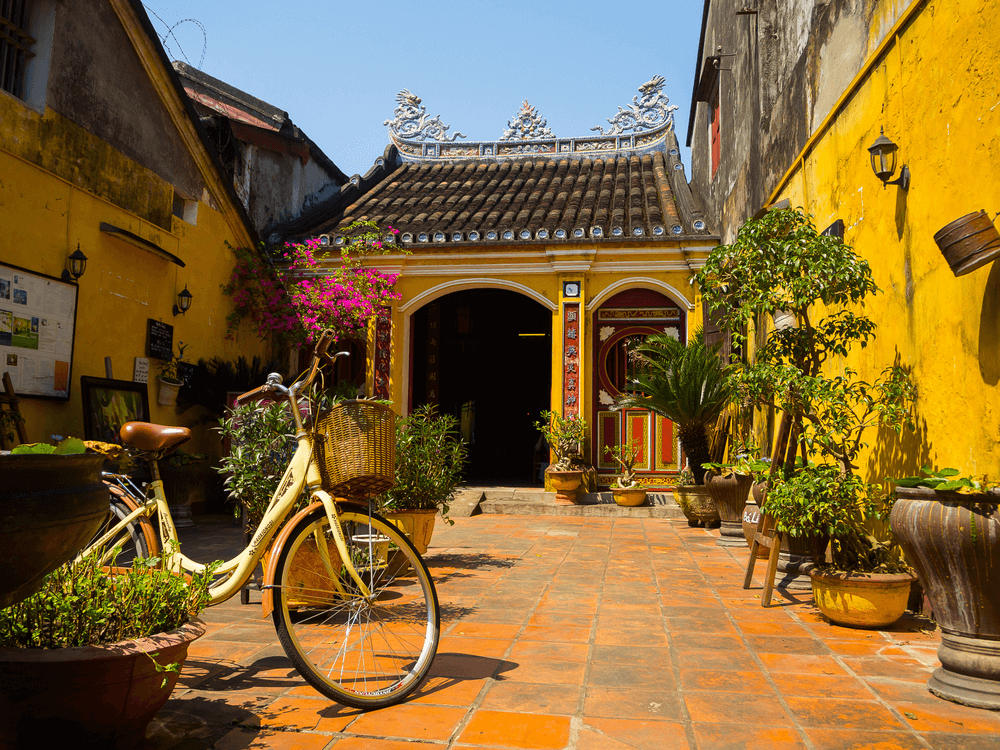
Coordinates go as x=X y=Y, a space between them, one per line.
x=383 y=356
x=571 y=359
x=433 y=352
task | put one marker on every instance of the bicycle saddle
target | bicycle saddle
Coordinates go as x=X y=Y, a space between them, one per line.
x=153 y=438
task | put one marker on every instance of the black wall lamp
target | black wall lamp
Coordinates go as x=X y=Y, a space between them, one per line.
x=77 y=265
x=183 y=302
x=883 y=155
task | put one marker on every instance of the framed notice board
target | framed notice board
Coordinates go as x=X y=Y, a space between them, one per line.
x=37 y=328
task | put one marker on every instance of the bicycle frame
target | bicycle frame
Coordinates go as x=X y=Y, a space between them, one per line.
x=302 y=472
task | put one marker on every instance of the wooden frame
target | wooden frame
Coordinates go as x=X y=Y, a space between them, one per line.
x=108 y=404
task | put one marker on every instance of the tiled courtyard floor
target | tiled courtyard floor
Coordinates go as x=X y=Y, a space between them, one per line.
x=589 y=633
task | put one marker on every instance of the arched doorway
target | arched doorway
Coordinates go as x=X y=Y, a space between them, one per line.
x=485 y=356
x=620 y=324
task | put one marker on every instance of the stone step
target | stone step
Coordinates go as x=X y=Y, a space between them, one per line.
x=535 y=502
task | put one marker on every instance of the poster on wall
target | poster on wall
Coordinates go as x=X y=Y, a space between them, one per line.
x=37 y=322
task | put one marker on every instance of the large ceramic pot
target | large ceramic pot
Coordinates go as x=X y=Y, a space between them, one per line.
x=50 y=507
x=566 y=484
x=698 y=506
x=90 y=697
x=417 y=524
x=861 y=600
x=953 y=542
x=730 y=492
x=629 y=498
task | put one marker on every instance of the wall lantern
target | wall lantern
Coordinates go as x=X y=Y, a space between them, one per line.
x=77 y=265
x=183 y=302
x=883 y=155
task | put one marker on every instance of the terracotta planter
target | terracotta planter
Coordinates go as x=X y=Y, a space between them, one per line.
x=50 y=507
x=167 y=395
x=91 y=697
x=698 y=506
x=418 y=525
x=953 y=542
x=861 y=600
x=566 y=484
x=730 y=492
x=629 y=498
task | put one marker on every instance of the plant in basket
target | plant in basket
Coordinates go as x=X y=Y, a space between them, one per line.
x=430 y=459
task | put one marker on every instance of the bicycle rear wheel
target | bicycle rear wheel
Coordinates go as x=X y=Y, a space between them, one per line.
x=136 y=539
x=359 y=652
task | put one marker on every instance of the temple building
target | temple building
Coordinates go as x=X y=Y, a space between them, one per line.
x=528 y=267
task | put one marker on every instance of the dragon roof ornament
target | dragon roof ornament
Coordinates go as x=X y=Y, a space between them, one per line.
x=410 y=121
x=527 y=125
x=645 y=126
x=649 y=112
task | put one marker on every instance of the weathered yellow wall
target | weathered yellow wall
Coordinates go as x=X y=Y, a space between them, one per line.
x=935 y=92
x=43 y=217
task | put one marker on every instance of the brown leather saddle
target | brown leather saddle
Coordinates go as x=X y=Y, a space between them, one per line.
x=153 y=438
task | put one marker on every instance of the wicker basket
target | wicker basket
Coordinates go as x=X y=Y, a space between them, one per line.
x=356 y=448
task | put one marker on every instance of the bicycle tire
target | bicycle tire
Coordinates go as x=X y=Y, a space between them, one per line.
x=137 y=539
x=363 y=654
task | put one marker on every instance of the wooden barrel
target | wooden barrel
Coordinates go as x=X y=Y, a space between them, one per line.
x=969 y=242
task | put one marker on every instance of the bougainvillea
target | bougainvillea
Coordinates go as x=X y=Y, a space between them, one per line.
x=304 y=295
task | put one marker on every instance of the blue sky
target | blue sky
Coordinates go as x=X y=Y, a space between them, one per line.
x=336 y=67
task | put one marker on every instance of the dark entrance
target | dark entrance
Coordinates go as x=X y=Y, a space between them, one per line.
x=485 y=356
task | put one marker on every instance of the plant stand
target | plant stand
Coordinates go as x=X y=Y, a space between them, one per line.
x=953 y=542
x=730 y=492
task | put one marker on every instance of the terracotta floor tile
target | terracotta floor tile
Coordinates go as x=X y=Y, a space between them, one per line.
x=514 y=730
x=550 y=672
x=741 y=737
x=248 y=739
x=506 y=617
x=447 y=691
x=880 y=666
x=699 y=659
x=525 y=697
x=842 y=713
x=714 y=624
x=638 y=638
x=947 y=741
x=864 y=648
x=306 y=714
x=821 y=685
x=560 y=620
x=557 y=634
x=945 y=716
x=647 y=656
x=751 y=709
x=467 y=666
x=782 y=644
x=524 y=650
x=484 y=630
x=800 y=663
x=367 y=743
x=409 y=721
x=854 y=739
x=630 y=734
x=725 y=680
x=693 y=611
x=686 y=641
x=474 y=646
x=604 y=674
x=773 y=627
x=632 y=703
x=902 y=690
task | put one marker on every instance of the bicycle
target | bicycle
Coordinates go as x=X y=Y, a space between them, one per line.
x=352 y=601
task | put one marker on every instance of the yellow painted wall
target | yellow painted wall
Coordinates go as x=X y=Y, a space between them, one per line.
x=43 y=217
x=935 y=90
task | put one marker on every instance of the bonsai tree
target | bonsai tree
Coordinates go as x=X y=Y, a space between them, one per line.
x=565 y=436
x=687 y=385
x=625 y=456
x=780 y=267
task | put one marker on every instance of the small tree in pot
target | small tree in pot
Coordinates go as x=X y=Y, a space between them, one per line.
x=564 y=435
x=626 y=490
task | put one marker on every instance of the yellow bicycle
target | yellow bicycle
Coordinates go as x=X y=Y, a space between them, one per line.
x=352 y=600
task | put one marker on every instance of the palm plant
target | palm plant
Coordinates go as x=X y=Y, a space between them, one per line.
x=687 y=385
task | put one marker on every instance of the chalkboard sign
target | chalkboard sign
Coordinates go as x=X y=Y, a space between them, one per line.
x=159 y=339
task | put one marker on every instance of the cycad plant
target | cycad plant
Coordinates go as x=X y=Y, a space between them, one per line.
x=687 y=385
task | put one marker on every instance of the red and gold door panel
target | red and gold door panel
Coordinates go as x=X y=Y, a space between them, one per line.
x=620 y=325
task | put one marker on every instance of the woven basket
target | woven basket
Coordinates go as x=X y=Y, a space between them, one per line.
x=355 y=448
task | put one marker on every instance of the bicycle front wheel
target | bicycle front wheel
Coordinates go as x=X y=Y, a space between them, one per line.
x=364 y=652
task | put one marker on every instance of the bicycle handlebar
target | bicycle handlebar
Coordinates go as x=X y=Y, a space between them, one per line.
x=273 y=384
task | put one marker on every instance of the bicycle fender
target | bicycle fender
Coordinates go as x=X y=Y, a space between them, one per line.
x=267 y=597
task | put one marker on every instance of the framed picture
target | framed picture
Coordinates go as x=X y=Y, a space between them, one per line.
x=108 y=404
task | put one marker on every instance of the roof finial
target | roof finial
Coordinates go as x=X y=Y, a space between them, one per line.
x=527 y=125
x=646 y=113
x=410 y=121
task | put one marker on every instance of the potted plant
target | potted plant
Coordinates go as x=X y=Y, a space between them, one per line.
x=430 y=459
x=91 y=657
x=781 y=267
x=170 y=379
x=626 y=490
x=564 y=436
x=730 y=485
x=698 y=506
x=687 y=385
x=949 y=529
x=52 y=502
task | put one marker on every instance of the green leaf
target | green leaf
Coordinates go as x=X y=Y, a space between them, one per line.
x=70 y=446
x=29 y=449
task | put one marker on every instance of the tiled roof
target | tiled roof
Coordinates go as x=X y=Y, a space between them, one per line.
x=523 y=200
